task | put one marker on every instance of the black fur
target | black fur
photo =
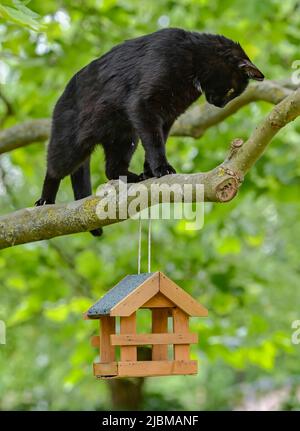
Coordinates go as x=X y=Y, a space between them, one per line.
x=136 y=91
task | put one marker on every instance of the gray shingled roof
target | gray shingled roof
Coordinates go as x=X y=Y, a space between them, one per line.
x=116 y=294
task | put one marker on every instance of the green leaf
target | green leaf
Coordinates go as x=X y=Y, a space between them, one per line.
x=21 y=15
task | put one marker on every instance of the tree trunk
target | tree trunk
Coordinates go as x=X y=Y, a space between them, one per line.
x=127 y=394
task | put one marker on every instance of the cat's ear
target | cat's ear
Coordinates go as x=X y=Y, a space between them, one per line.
x=250 y=70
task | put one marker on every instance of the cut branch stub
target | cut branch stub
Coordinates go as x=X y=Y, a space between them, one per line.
x=227 y=189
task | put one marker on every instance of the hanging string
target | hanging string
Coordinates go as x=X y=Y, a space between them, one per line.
x=140 y=245
x=149 y=240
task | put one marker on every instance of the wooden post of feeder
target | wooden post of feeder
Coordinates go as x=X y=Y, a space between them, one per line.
x=107 y=327
x=181 y=326
x=128 y=326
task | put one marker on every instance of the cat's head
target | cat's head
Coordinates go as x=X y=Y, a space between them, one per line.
x=227 y=73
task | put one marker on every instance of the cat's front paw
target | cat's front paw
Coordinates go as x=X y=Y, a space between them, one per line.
x=164 y=169
x=130 y=177
x=145 y=176
x=41 y=202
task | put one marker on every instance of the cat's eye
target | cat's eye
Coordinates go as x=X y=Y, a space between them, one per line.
x=230 y=92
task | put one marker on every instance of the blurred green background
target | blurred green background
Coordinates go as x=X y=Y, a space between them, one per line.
x=243 y=265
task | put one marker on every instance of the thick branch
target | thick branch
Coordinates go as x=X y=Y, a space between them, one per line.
x=193 y=123
x=220 y=185
x=24 y=134
x=282 y=114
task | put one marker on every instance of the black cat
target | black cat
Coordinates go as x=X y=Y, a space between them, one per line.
x=136 y=91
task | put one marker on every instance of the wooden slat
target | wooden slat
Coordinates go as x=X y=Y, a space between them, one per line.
x=156 y=368
x=158 y=301
x=107 y=327
x=159 y=325
x=181 y=326
x=182 y=299
x=95 y=341
x=105 y=369
x=128 y=326
x=137 y=298
x=152 y=339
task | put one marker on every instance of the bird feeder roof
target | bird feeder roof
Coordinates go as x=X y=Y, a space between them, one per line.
x=135 y=290
x=117 y=293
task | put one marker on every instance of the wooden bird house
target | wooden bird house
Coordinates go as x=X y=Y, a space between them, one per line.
x=117 y=312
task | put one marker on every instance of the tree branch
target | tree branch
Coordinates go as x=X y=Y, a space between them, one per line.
x=220 y=185
x=201 y=117
x=24 y=134
x=193 y=123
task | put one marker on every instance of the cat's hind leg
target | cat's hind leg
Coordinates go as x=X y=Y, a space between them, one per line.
x=63 y=159
x=50 y=189
x=81 y=184
x=81 y=181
